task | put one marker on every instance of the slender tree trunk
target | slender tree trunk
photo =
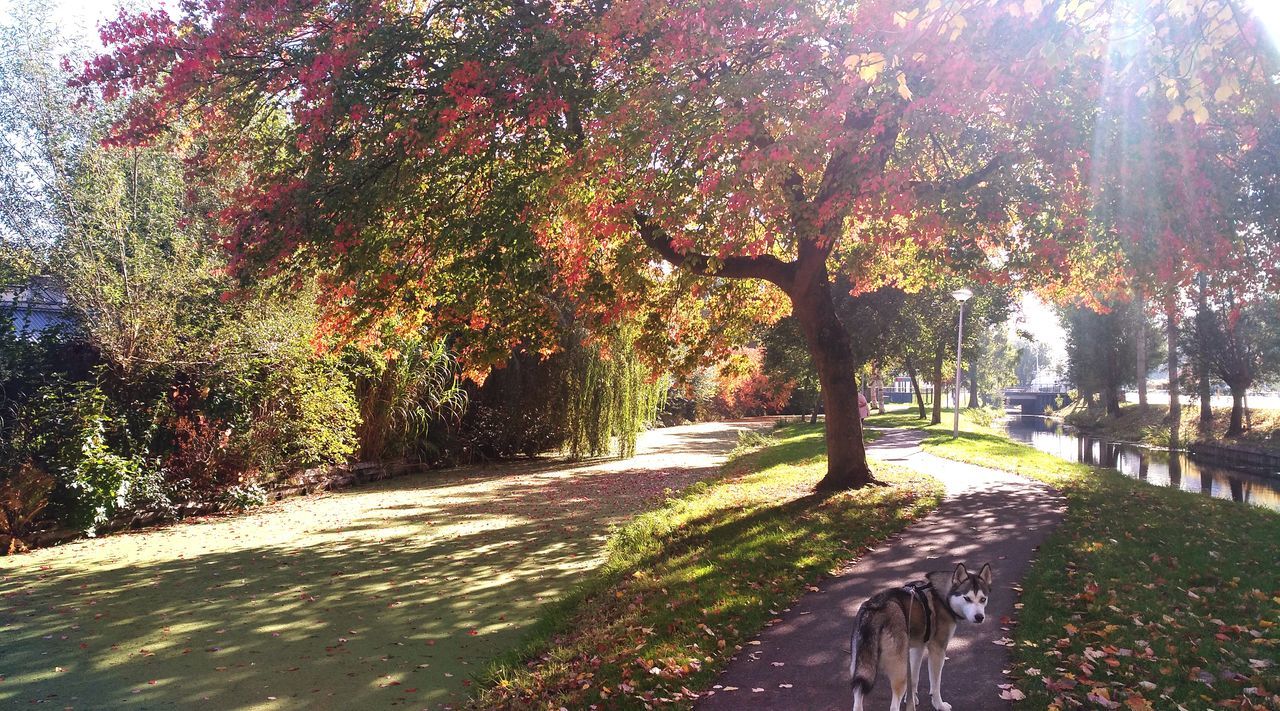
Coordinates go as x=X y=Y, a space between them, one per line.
x=937 y=387
x=817 y=403
x=1140 y=342
x=973 y=383
x=1237 y=412
x=1202 y=355
x=1112 y=385
x=828 y=343
x=1175 y=404
x=1206 y=396
x=915 y=386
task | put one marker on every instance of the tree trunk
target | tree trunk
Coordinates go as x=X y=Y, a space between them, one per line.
x=937 y=387
x=1206 y=398
x=828 y=343
x=1237 y=412
x=1111 y=380
x=817 y=403
x=1202 y=355
x=973 y=383
x=915 y=386
x=1140 y=343
x=1111 y=399
x=1175 y=404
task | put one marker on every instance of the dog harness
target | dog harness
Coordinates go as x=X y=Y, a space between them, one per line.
x=919 y=590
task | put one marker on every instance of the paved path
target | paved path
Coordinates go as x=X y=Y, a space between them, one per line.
x=988 y=516
x=389 y=594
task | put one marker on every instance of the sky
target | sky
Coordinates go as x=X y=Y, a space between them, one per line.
x=80 y=18
x=1040 y=320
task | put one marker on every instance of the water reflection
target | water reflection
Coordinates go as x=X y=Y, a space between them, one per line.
x=1154 y=466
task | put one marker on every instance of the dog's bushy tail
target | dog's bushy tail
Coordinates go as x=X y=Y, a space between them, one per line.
x=865 y=658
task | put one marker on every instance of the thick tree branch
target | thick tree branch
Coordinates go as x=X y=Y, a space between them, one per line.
x=765 y=266
x=935 y=189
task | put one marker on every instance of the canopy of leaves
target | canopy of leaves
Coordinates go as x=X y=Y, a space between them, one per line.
x=401 y=149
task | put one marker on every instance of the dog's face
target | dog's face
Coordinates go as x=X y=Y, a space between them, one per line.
x=968 y=594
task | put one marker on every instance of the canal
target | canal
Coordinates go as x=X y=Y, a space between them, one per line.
x=1155 y=466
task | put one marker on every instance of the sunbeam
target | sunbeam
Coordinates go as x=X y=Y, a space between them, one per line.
x=1268 y=13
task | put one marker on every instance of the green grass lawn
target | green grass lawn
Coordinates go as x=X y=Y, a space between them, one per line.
x=1145 y=597
x=392 y=594
x=686 y=585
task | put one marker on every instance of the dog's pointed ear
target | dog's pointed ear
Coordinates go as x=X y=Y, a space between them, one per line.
x=985 y=574
x=960 y=574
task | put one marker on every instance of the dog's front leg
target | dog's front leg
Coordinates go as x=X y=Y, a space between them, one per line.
x=937 y=657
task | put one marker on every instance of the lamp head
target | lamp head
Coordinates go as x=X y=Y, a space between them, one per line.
x=962 y=294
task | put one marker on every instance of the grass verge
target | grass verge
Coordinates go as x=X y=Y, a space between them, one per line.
x=1150 y=426
x=686 y=585
x=1145 y=597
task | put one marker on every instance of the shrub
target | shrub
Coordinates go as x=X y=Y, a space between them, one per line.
x=242 y=497
x=751 y=439
x=762 y=394
x=305 y=416
x=64 y=430
x=984 y=416
x=1158 y=436
x=402 y=396
x=743 y=389
x=200 y=459
x=22 y=497
x=498 y=432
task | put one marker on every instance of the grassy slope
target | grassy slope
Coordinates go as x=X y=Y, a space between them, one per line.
x=1145 y=597
x=1136 y=425
x=687 y=584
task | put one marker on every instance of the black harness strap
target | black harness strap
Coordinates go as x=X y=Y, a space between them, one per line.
x=919 y=590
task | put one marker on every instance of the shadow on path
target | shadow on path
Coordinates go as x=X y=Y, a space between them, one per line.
x=988 y=516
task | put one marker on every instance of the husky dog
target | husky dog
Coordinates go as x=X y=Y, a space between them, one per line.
x=894 y=627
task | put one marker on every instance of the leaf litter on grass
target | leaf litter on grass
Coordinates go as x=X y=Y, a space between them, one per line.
x=1145 y=597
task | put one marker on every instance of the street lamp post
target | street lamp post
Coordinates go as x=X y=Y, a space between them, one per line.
x=962 y=295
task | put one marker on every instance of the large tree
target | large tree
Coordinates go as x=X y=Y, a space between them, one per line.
x=402 y=149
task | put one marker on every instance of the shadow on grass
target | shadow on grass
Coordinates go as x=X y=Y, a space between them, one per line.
x=389 y=594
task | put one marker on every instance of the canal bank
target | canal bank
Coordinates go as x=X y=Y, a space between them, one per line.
x=1208 y=473
x=1257 y=447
